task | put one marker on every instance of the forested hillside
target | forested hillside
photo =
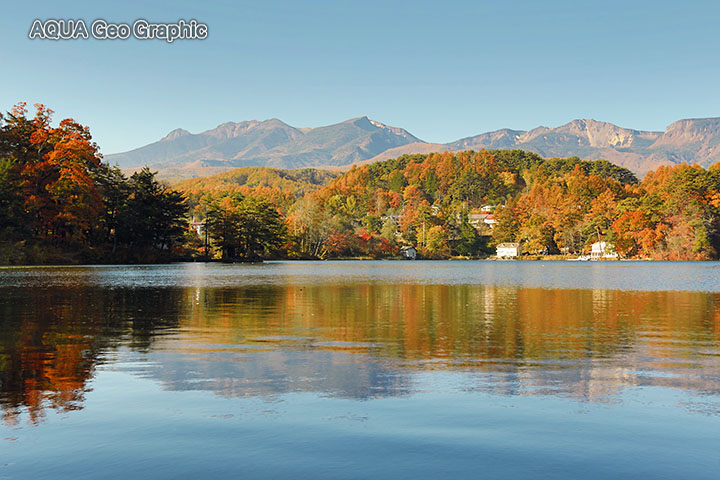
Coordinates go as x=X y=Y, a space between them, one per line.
x=281 y=187
x=59 y=203
x=548 y=206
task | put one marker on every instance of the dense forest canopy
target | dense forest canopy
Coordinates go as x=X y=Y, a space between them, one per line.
x=280 y=187
x=60 y=203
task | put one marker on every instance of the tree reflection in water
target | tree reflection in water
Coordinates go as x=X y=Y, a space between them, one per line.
x=354 y=339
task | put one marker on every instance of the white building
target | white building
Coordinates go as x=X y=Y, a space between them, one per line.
x=408 y=253
x=508 y=250
x=603 y=250
x=199 y=227
x=490 y=220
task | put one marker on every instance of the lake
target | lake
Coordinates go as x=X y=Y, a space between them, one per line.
x=457 y=369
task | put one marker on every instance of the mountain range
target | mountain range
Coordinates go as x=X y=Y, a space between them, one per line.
x=273 y=143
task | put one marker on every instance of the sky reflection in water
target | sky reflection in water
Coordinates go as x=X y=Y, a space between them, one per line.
x=357 y=369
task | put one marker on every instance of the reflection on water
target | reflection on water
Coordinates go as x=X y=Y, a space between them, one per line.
x=51 y=340
x=361 y=369
x=352 y=339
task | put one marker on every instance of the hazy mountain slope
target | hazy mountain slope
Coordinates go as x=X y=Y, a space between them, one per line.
x=360 y=140
x=498 y=139
x=268 y=143
x=685 y=141
x=690 y=141
x=226 y=142
x=410 y=148
x=579 y=137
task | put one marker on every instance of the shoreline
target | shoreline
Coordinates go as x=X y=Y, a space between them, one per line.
x=546 y=258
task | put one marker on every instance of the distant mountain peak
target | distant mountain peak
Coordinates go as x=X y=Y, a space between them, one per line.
x=361 y=122
x=177 y=133
x=275 y=121
x=590 y=124
x=269 y=143
x=394 y=130
x=695 y=124
x=359 y=140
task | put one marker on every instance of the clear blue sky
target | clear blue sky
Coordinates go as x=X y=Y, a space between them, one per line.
x=442 y=70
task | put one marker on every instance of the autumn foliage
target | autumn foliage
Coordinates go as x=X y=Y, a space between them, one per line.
x=56 y=195
x=59 y=203
x=549 y=206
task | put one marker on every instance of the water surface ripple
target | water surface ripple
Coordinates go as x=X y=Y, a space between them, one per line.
x=361 y=369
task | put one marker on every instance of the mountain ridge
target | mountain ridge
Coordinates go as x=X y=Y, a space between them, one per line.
x=359 y=140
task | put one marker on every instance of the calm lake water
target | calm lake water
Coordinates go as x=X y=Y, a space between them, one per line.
x=361 y=370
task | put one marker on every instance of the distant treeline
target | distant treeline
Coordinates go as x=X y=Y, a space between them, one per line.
x=59 y=203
